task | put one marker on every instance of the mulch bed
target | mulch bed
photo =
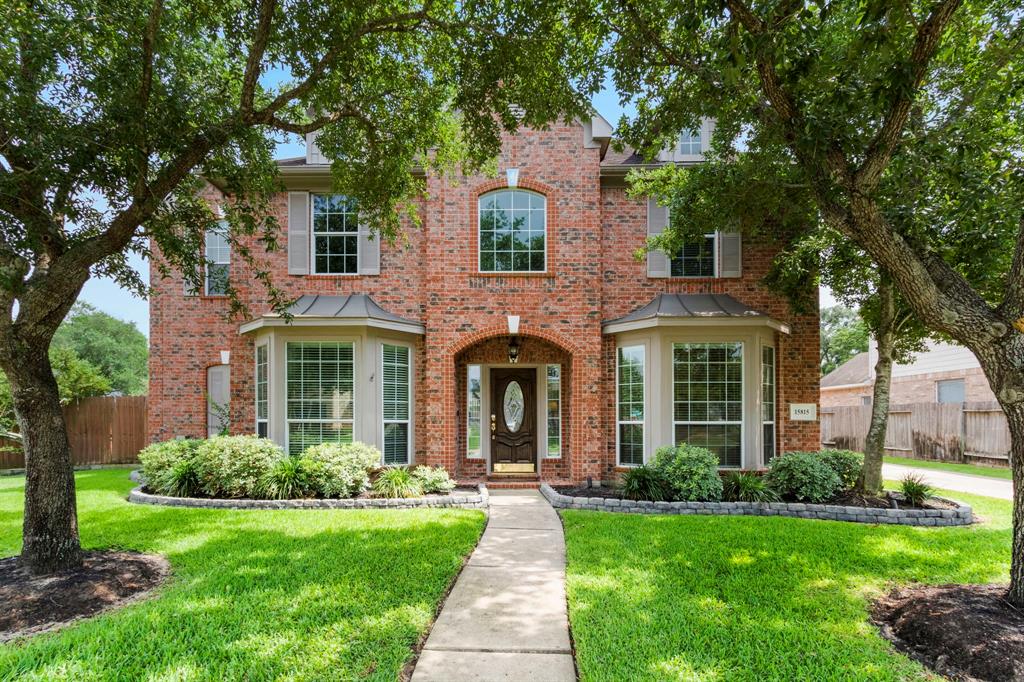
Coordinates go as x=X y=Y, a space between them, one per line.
x=33 y=604
x=965 y=632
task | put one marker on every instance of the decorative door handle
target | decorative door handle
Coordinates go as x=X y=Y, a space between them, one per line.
x=494 y=426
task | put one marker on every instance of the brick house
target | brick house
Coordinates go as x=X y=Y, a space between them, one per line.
x=513 y=333
x=941 y=373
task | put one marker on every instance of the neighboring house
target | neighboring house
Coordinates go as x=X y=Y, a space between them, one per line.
x=942 y=373
x=513 y=333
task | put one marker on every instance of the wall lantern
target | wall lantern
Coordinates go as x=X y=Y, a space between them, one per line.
x=513 y=350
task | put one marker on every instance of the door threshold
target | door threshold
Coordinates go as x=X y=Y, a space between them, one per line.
x=514 y=469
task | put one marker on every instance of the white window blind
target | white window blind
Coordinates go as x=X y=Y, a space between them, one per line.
x=395 y=403
x=320 y=398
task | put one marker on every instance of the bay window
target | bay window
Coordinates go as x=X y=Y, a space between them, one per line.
x=320 y=382
x=767 y=404
x=395 y=378
x=707 y=388
x=262 y=386
x=630 y=405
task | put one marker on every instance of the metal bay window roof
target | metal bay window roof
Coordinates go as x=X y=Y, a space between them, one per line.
x=331 y=311
x=691 y=309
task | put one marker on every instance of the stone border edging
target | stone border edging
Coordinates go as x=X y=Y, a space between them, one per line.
x=479 y=501
x=962 y=516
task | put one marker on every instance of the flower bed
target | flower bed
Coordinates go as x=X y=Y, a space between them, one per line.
x=465 y=499
x=959 y=515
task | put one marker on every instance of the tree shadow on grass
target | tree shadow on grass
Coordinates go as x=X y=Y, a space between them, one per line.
x=261 y=595
x=752 y=598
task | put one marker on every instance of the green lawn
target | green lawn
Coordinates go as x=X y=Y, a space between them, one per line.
x=257 y=595
x=747 y=598
x=974 y=469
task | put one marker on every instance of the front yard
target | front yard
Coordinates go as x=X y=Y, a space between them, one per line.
x=254 y=595
x=748 y=598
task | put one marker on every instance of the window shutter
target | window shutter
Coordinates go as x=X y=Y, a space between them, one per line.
x=369 y=252
x=218 y=398
x=298 y=233
x=730 y=254
x=657 y=221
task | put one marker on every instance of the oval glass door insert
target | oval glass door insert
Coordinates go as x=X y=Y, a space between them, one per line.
x=513 y=406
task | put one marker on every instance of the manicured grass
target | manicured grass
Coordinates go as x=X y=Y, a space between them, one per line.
x=953 y=467
x=747 y=598
x=254 y=595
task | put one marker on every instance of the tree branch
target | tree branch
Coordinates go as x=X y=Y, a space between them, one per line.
x=881 y=149
x=1012 y=306
x=145 y=89
x=253 y=65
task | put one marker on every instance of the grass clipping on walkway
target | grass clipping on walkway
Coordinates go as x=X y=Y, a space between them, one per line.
x=748 y=598
x=255 y=595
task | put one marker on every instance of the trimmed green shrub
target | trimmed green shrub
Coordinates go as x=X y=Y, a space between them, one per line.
x=746 y=486
x=803 y=476
x=645 y=483
x=289 y=479
x=397 y=482
x=341 y=469
x=915 y=490
x=847 y=464
x=234 y=466
x=433 y=479
x=691 y=473
x=169 y=467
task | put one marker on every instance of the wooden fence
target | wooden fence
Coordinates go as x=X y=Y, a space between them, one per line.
x=106 y=430
x=950 y=432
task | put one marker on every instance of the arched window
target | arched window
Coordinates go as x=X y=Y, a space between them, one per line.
x=513 y=231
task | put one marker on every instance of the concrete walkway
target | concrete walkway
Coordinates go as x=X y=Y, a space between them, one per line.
x=965 y=483
x=506 y=617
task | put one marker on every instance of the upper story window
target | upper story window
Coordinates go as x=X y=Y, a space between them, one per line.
x=695 y=259
x=218 y=260
x=689 y=143
x=513 y=231
x=335 y=235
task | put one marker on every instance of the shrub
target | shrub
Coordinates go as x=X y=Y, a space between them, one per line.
x=169 y=467
x=744 y=486
x=234 y=466
x=289 y=479
x=397 y=482
x=645 y=483
x=341 y=469
x=433 y=479
x=915 y=490
x=803 y=476
x=847 y=464
x=691 y=473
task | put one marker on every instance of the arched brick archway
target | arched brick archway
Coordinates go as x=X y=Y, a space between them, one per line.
x=488 y=347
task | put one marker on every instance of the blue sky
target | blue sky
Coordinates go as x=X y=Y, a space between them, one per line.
x=106 y=295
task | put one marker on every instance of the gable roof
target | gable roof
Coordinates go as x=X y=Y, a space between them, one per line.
x=684 y=309
x=853 y=372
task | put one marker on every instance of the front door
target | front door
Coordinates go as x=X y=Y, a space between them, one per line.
x=513 y=420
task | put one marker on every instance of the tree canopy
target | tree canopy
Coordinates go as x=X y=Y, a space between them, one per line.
x=843 y=335
x=115 y=347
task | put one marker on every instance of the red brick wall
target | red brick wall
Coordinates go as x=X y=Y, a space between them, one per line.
x=592 y=276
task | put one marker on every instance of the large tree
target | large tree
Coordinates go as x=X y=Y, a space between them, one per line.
x=116 y=347
x=860 y=103
x=112 y=110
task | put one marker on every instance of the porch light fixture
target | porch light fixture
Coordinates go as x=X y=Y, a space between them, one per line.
x=512 y=174
x=513 y=350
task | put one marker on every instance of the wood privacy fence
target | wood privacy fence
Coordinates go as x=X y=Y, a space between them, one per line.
x=950 y=432
x=105 y=430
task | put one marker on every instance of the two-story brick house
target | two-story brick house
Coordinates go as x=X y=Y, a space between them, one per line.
x=513 y=333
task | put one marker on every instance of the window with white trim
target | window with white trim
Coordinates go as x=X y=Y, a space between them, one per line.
x=630 y=405
x=217 y=253
x=554 y=410
x=320 y=386
x=395 y=378
x=335 y=242
x=767 y=403
x=696 y=258
x=689 y=143
x=707 y=388
x=512 y=234
x=262 y=386
x=473 y=412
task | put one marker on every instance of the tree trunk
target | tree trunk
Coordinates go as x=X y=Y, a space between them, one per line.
x=50 y=540
x=1015 y=419
x=885 y=336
